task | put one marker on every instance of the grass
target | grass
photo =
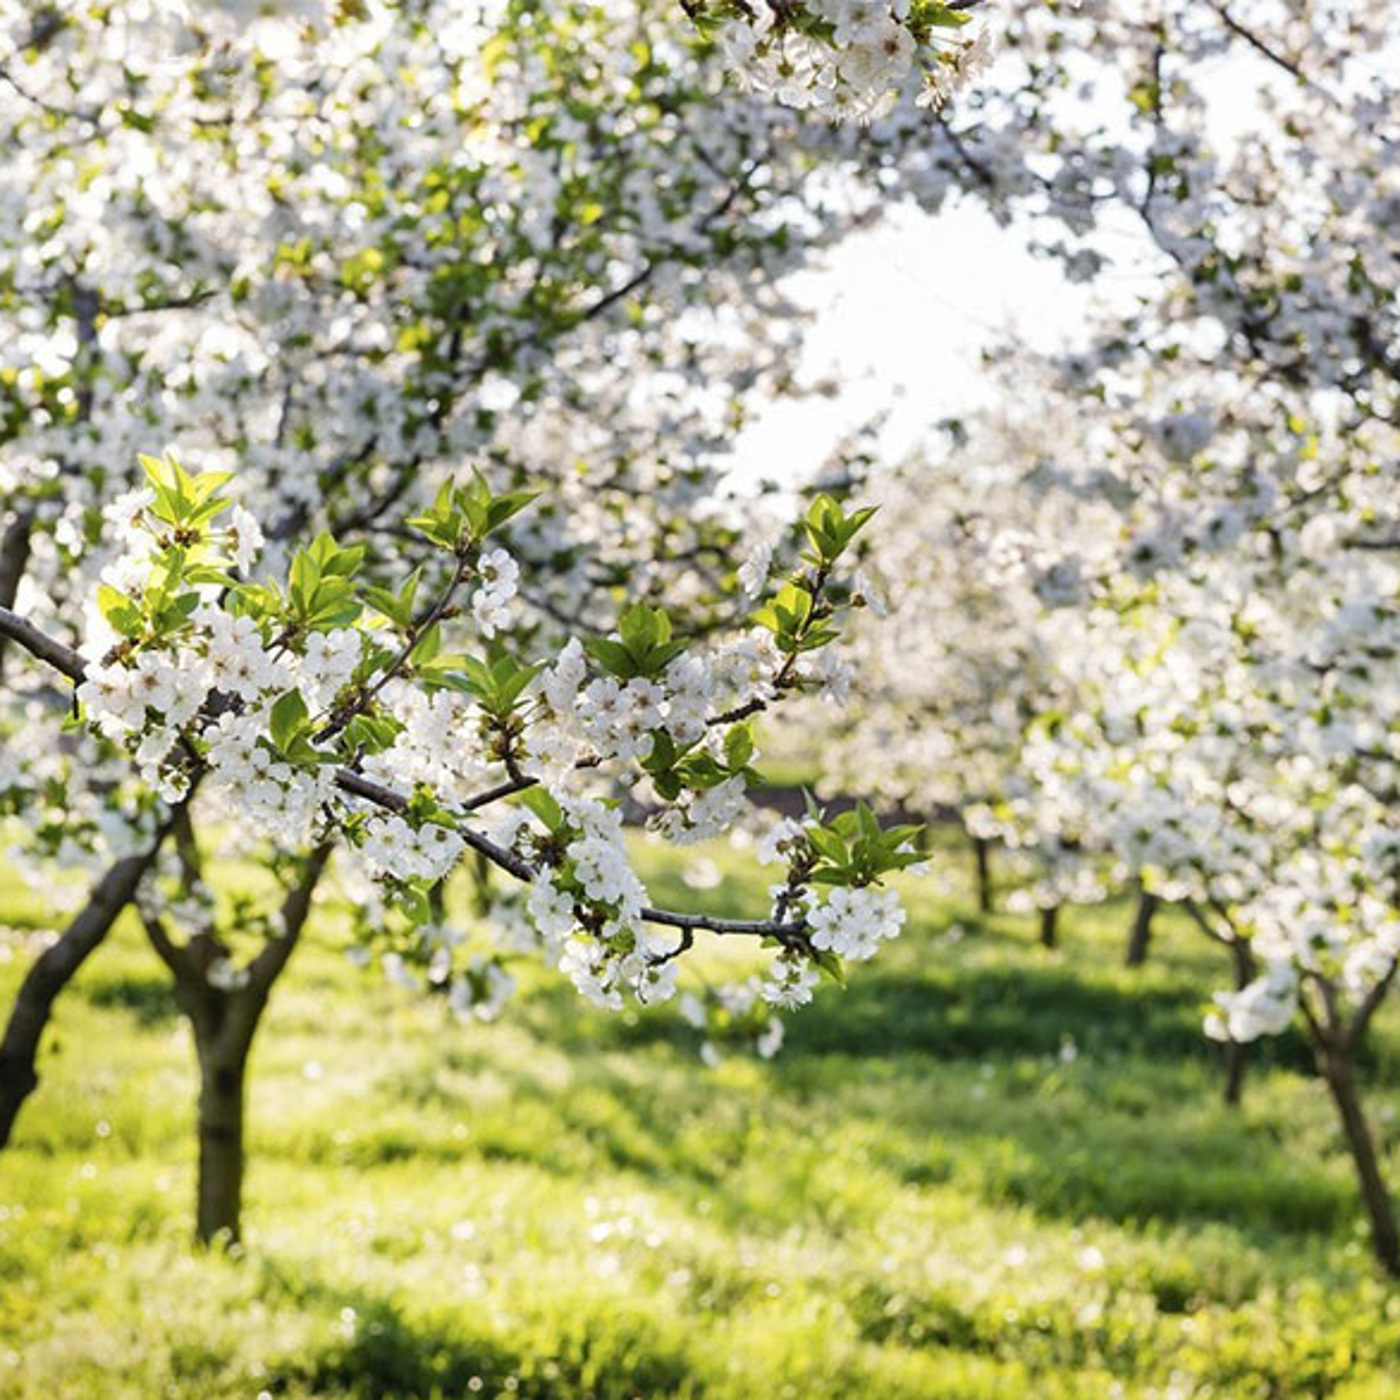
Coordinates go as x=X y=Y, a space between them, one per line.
x=981 y=1171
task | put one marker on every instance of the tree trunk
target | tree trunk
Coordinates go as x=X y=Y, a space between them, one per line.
x=53 y=969
x=982 y=851
x=1050 y=926
x=1237 y=1053
x=219 y=1197
x=225 y=1020
x=1236 y=1060
x=1340 y=1075
x=1141 y=934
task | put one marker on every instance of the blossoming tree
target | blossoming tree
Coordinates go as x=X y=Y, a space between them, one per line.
x=338 y=250
x=1225 y=607
x=317 y=708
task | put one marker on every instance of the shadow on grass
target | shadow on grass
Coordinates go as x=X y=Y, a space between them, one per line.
x=951 y=1013
x=386 y=1352
x=1125 y=1141
x=945 y=1072
x=149 y=997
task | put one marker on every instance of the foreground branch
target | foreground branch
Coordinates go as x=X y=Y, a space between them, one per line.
x=38 y=643
x=68 y=661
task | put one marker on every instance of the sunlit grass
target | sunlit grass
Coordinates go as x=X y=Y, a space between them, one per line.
x=981 y=1170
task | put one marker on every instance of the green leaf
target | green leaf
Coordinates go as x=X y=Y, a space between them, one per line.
x=639 y=629
x=828 y=844
x=503 y=508
x=612 y=656
x=544 y=807
x=831 y=965
x=738 y=745
x=122 y=612
x=289 y=717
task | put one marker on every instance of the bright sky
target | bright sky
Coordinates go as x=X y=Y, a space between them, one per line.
x=897 y=334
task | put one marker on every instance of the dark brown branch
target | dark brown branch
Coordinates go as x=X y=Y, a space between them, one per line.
x=1262 y=46
x=14 y=556
x=705 y=923
x=174 y=955
x=54 y=968
x=39 y=644
x=264 y=970
x=1199 y=919
x=1355 y=1028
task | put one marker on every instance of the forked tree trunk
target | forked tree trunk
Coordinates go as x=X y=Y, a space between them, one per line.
x=225 y=1020
x=1340 y=1075
x=1050 y=926
x=1140 y=935
x=982 y=853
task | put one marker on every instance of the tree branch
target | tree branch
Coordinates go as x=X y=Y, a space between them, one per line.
x=39 y=644
x=65 y=659
x=55 y=967
x=427 y=619
x=14 y=556
x=1356 y=1027
x=170 y=953
x=264 y=970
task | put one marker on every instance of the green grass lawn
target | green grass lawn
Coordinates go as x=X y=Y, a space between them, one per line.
x=981 y=1170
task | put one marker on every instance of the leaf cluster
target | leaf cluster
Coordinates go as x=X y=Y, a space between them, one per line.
x=852 y=849
x=461 y=517
x=643 y=647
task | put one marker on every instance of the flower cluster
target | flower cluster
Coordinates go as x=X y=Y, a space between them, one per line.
x=850 y=59
x=854 y=922
x=586 y=901
x=327 y=705
x=1266 y=1006
x=499 y=575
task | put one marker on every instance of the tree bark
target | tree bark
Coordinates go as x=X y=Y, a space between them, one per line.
x=225 y=1020
x=53 y=969
x=1236 y=1061
x=14 y=556
x=1236 y=1052
x=1340 y=1076
x=982 y=852
x=1050 y=926
x=1140 y=936
x=219 y=1194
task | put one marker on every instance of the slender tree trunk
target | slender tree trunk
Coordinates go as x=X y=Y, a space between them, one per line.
x=1050 y=926
x=224 y=1022
x=1140 y=936
x=1340 y=1075
x=1236 y=1053
x=52 y=971
x=1236 y=1062
x=982 y=852
x=219 y=1199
